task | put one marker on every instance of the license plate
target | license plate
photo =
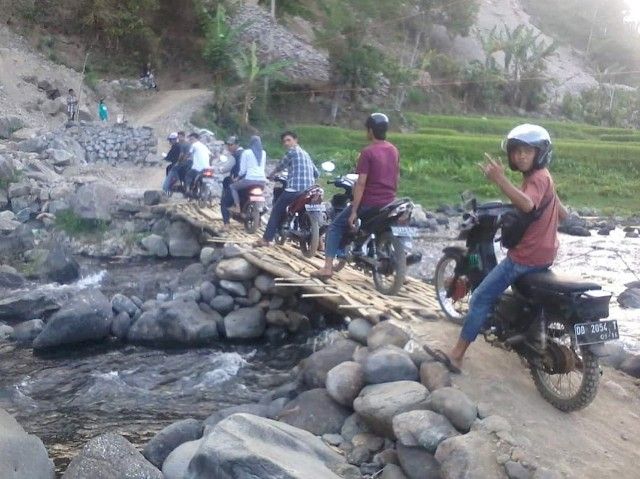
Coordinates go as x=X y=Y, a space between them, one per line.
x=593 y=333
x=208 y=180
x=406 y=231
x=315 y=207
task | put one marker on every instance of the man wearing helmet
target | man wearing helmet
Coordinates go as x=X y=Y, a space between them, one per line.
x=378 y=172
x=529 y=150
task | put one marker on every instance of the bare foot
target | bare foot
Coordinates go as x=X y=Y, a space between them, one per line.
x=322 y=273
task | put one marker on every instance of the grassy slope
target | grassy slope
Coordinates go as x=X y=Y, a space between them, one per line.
x=440 y=160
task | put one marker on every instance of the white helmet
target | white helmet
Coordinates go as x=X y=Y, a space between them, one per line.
x=530 y=135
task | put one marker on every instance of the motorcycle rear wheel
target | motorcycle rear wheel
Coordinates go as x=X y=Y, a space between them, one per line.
x=251 y=218
x=390 y=248
x=309 y=244
x=559 y=390
x=444 y=275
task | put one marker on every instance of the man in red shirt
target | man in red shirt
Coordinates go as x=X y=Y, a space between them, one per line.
x=378 y=172
x=529 y=151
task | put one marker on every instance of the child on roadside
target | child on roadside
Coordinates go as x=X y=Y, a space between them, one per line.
x=103 y=113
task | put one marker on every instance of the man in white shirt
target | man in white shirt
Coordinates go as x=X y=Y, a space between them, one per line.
x=200 y=156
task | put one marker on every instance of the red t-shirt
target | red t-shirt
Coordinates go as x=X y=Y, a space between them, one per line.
x=539 y=244
x=380 y=161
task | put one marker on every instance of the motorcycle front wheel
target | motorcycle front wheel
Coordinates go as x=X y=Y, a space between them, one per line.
x=568 y=376
x=453 y=291
x=389 y=275
x=309 y=244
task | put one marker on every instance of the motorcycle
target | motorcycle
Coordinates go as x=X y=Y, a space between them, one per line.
x=203 y=188
x=149 y=82
x=340 y=201
x=306 y=217
x=252 y=207
x=554 y=323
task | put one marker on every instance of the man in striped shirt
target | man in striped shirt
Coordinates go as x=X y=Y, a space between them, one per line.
x=302 y=175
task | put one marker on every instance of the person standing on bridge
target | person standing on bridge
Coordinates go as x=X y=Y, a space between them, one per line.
x=233 y=168
x=378 y=172
x=200 y=159
x=302 y=175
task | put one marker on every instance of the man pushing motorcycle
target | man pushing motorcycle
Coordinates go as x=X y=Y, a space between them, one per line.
x=529 y=151
x=378 y=172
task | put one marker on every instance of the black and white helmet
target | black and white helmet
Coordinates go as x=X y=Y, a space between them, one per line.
x=378 y=123
x=530 y=135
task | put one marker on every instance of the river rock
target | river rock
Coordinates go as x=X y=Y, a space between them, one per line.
x=515 y=470
x=469 y=456
x=631 y=366
x=245 y=446
x=27 y=305
x=11 y=280
x=155 y=245
x=630 y=298
x=236 y=269
x=121 y=304
x=233 y=287
x=422 y=428
x=183 y=240
x=455 y=406
x=152 y=197
x=255 y=409
x=86 y=317
x=191 y=276
x=178 y=321
x=353 y=426
x=264 y=283
x=22 y=456
x=344 y=382
x=60 y=266
x=27 y=331
x=223 y=304
x=161 y=445
x=391 y=471
x=615 y=354
x=94 y=201
x=176 y=464
x=245 y=323
x=380 y=403
x=434 y=375
x=385 y=333
x=419 y=464
x=389 y=364
x=110 y=456
x=120 y=325
x=208 y=256
x=6 y=331
x=207 y=292
x=314 y=369
x=316 y=412
x=359 y=329
x=9 y=124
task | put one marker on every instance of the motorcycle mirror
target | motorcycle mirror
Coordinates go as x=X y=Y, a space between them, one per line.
x=328 y=166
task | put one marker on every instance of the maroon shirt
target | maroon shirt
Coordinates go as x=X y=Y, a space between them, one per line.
x=380 y=161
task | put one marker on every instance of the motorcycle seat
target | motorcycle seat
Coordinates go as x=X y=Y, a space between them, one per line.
x=549 y=282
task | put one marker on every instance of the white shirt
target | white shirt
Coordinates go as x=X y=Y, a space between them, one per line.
x=200 y=156
x=250 y=168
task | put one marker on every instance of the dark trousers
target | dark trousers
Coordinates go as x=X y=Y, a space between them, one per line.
x=226 y=200
x=278 y=213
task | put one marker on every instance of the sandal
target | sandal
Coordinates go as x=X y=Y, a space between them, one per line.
x=442 y=357
x=261 y=244
x=321 y=275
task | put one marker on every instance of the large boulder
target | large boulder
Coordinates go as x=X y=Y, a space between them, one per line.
x=314 y=369
x=378 y=404
x=344 y=382
x=11 y=280
x=255 y=409
x=27 y=305
x=422 y=428
x=245 y=323
x=245 y=446
x=417 y=463
x=631 y=366
x=110 y=456
x=359 y=329
x=60 y=266
x=179 y=321
x=176 y=465
x=434 y=375
x=455 y=406
x=469 y=456
x=27 y=331
x=86 y=317
x=630 y=298
x=8 y=125
x=94 y=201
x=22 y=455
x=236 y=269
x=316 y=412
x=155 y=245
x=388 y=364
x=183 y=240
x=172 y=436
x=384 y=334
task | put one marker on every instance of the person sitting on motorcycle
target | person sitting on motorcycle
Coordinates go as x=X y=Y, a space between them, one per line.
x=232 y=167
x=200 y=157
x=251 y=172
x=378 y=172
x=172 y=157
x=529 y=151
x=302 y=175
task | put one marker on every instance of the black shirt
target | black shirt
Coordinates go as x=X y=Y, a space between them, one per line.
x=174 y=153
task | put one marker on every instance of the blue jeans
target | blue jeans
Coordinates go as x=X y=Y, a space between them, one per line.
x=487 y=293
x=278 y=213
x=337 y=230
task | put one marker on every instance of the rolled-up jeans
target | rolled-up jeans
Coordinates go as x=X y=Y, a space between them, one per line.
x=337 y=230
x=487 y=293
x=172 y=177
x=243 y=185
x=278 y=213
